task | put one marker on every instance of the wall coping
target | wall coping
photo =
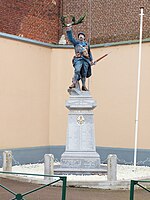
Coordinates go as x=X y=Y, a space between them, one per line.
x=49 y=45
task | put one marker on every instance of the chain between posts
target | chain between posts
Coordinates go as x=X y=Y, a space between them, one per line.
x=121 y=161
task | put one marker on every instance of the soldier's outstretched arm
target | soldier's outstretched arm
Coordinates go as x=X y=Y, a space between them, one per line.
x=70 y=36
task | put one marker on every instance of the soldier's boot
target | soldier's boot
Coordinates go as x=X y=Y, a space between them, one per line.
x=75 y=84
x=72 y=86
x=84 y=88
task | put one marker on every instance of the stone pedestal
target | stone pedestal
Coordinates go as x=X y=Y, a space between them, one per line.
x=80 y=156
x=7 y=161
x=112 y=167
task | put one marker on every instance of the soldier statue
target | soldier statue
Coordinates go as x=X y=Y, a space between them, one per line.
x=82 y=60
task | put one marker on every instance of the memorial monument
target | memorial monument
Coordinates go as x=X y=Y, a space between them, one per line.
x=80 y=156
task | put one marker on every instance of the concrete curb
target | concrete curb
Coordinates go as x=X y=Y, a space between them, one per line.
x=113 y=185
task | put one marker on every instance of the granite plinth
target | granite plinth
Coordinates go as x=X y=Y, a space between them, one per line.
x=80 y=155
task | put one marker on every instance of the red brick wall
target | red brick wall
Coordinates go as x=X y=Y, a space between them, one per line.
x=77 y=9
x=35 y=19
x=111 y=20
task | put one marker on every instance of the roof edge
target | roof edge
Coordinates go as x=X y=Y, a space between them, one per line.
x=31 y=41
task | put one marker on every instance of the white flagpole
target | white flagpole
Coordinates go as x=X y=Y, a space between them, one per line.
x=89 y=34
x=138 y=89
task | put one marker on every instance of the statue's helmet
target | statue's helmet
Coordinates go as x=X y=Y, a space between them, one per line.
x=81 y=33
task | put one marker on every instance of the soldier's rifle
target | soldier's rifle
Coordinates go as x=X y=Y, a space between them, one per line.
x=97 y=60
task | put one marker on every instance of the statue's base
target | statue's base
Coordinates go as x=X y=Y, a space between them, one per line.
x=78 y=163
x=69 y=171
x=80 y=156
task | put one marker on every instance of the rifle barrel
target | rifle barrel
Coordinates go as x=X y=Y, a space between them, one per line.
x=101 y=57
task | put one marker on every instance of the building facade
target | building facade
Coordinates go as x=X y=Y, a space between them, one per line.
x=33 y=117
x=106 y=20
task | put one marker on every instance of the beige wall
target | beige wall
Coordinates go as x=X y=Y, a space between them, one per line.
x=33 y=91
x=24 y=94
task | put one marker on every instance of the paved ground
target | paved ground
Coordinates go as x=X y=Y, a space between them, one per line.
x=54 y=193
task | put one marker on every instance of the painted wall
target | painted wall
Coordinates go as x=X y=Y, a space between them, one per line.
x=113 y=85
x=24 y=94
x=33 y=90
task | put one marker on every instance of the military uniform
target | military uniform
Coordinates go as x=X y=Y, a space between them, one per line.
x=82 y=59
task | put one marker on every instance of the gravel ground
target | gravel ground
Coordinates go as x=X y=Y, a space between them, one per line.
x=54 y=193
x=124 y=172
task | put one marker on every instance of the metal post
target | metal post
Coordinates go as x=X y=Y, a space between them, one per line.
x=90 y=30
x=138 y=90
x=132 y=190
x=64 y=188
x=90 y=17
